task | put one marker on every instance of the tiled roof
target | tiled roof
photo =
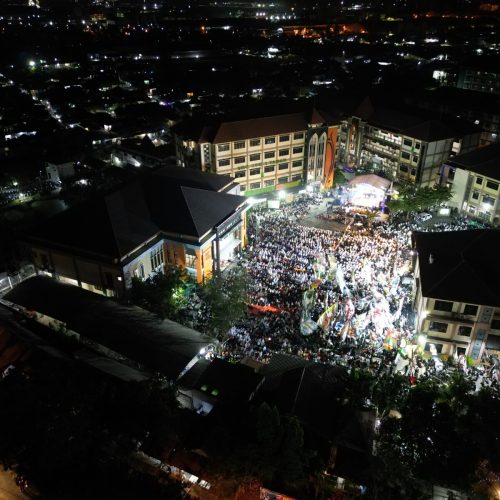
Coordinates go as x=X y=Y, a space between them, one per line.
x=260 y=127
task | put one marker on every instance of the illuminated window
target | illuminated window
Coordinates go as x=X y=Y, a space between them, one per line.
x=156 y=258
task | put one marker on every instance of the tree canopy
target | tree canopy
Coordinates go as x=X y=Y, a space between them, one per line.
x=226 y=297
x=161 y=293
x=413 y=199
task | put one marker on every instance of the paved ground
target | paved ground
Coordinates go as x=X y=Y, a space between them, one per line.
x=311 y=219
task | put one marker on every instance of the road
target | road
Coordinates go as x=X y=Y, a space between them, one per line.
x=8 y=487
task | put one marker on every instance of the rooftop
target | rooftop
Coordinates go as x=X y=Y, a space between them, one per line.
x=233 y=129
x=460 y=266
x=187 y=204
x=484 y=161
x=163 y=346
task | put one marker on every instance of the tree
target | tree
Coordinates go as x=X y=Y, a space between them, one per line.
x=226 y=296
x=162 y=293
x=412 y=199
x=390 y=392
x=445 y=433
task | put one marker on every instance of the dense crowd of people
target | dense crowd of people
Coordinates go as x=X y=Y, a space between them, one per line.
x=331 y=296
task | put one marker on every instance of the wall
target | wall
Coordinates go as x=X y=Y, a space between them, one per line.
x=87 y=273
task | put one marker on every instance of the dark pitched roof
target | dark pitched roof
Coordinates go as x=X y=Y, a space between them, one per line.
x=196 y=211
x=196 y=179
x=484 y=161
x=163 y=346
x=115 y=224
x=259 y=127
x=305 y=389
x=460 y=266
x=422 y=126
x=233 y=382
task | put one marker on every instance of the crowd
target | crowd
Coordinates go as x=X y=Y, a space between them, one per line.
x=342 y=297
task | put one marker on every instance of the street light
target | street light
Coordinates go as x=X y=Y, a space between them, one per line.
x=281 y=195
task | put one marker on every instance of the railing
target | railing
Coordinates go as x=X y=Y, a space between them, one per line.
x=10 y=281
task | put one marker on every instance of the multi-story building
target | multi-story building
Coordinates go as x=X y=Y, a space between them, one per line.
x=404 y=146
x=169 y=217
x=480 y=80
x=457 y=297
x=264 y=154
x=475 y=181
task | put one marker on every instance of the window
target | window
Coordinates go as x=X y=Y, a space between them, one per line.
x=414 y=159
x=254 y=185
x=284 y=138
x=321 y=147
x=297 y=164
x=470 y=310
x=405 y=156
x=439 y=347
x=464 y=331
x=243 y=188
x=283 y=166
x=255 y=171
x=269 y=182
x=298 y=150
x=475 y=195
x=139 y=272
x=282 y=180
x=239 y=145
x=437 y=326
x=492 y=185
x=403 y=168
x=254 y=143
x=479 y=180
x=270 y=140
x=269 y=168
x=298 y=136
x=417 y=145
x=191 y=261
x=495 y=324
x=241 y=173
x=451 y=174
x=407 y=142
x=269 y=154
x=488 y=200
x=284 y=152
x=441 y=305
x=255 y=157
x=296 y=177
x=156 y=258
x=222 y=147
x=413 y=172
x=225 y=162
x=239 y=159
